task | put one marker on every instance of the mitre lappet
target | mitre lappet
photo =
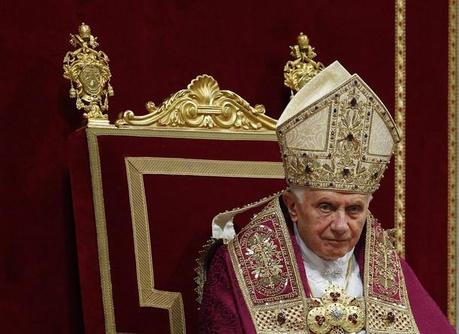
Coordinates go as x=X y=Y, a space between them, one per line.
x=336 y=134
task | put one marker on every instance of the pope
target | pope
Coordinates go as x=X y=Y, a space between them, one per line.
x=314 y=259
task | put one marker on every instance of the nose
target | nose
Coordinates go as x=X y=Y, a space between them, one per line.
x=339 y=224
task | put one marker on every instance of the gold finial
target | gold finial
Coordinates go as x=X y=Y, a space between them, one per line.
x=303 y=41
x=89 y=75
x=85 y=31
x=302 y=68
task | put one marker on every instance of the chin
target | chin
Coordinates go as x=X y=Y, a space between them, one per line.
x=332 y=257
x=334 y=254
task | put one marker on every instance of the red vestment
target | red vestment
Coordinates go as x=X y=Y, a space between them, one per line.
x=230 y=304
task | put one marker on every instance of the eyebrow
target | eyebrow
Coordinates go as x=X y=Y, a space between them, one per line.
x=357 y=202
x=351 y=202
x=324 y=199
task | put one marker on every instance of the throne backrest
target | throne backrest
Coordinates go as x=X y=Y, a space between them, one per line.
x=146 y=188
x=145 y=192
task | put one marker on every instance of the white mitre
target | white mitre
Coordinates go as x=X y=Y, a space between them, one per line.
x=336 y=134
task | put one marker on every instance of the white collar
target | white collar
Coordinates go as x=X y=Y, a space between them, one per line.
x=330 y=270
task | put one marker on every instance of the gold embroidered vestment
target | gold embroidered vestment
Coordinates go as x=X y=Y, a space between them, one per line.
x=263 y=258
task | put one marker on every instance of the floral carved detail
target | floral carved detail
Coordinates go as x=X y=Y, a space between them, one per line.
x=303 y=67
x=203 y=105
x=89 y=75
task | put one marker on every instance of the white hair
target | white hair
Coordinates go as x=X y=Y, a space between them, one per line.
x=299 y=192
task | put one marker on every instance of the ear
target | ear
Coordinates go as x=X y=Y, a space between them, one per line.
x=370 y=197
x=292 y=205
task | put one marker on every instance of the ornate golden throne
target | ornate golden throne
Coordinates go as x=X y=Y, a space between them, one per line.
x=146 y=188
x=145 y=191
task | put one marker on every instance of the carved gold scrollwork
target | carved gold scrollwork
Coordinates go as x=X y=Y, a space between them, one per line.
x=89 y=75
x=303 y=67
x=203 y=105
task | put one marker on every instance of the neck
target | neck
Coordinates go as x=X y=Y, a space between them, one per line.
x=318 y=262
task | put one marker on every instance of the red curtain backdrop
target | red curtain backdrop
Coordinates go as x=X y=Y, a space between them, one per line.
x=427 y=149
x=156 y=48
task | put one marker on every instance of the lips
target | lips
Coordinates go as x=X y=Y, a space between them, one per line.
x=337 y=241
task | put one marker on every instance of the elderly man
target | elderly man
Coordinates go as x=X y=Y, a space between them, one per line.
x=314 y=259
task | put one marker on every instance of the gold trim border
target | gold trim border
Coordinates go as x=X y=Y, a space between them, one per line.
x=400 y=156
x=400 y=120
x=148 y=295
x=101 y=231
x=98 y=197
x=452 y=160
x=140 y=131
x=206 y=167
x=262 y=310
x=136 y=168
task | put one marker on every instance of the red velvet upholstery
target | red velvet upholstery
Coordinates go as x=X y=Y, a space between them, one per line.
x=155 y=48
x=180 y=210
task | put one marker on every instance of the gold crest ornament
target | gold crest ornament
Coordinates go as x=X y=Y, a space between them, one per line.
x=202 y=105
x=89 y=75
x=336 y=313
x=303 y=67
x=336 y=134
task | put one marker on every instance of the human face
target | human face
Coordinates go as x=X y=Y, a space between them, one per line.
x=330 y=223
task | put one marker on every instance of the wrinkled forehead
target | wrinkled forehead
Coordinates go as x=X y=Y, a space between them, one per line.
x=338 y=196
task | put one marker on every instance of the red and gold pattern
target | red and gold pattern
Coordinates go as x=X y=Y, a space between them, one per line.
x=266 y=264
x=386 y=298
x=267 y=272
x=274 y=296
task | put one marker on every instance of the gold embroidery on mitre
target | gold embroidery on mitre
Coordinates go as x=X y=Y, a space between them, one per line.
x=343 y=141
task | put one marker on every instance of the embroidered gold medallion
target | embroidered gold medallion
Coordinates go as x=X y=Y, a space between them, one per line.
x=336 y=313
